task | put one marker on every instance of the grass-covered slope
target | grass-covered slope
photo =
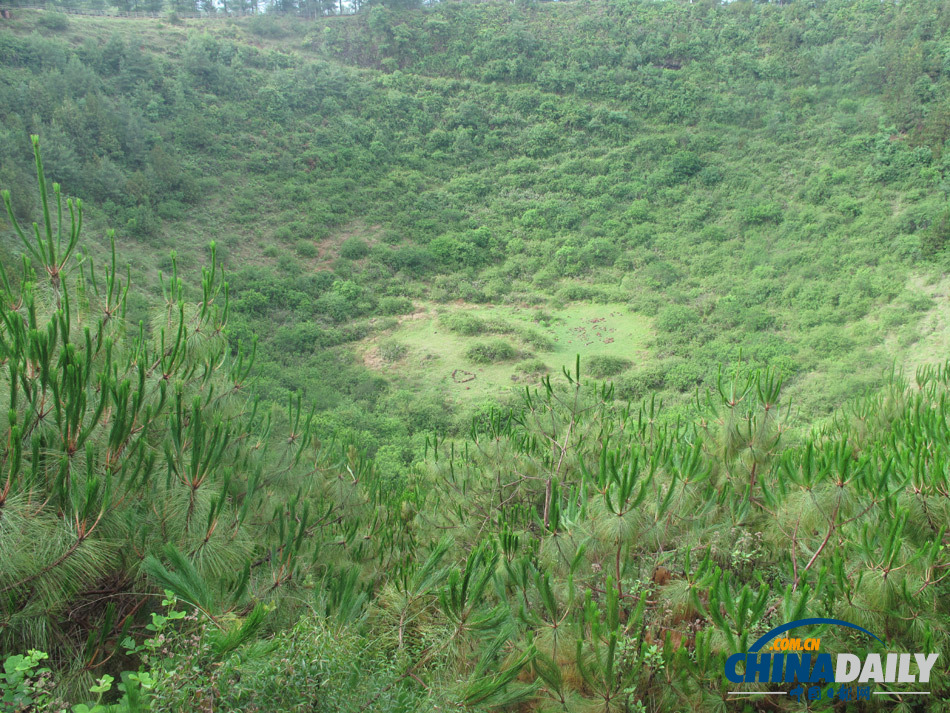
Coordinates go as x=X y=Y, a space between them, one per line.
x=748 y=177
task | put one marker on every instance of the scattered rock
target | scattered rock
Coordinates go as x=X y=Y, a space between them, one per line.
x=460 y=376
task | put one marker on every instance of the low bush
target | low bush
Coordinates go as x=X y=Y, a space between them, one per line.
x=265 y=26
x=601 y=366
x=354 y=249
x=536 y=339
x=637 y=384
x=53 y=21
x=391 y=351
x=306 y=249
x=395 y=305
x=468 y=325
x=532 y=367
x=491 y=352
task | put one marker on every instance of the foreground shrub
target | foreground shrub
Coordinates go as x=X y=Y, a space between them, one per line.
x=395 y=305
x=354 y=249
x=316 y=668
x=637 y=384
x=127 y=449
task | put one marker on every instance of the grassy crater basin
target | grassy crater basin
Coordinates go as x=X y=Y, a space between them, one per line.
x=471 y=352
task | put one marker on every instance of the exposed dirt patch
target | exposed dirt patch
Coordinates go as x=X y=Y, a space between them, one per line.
x=418 y=314
x=328 y=249
x=372 y=359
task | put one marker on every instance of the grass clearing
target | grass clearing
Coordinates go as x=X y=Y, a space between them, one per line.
x=930 y=340
x=436 y=357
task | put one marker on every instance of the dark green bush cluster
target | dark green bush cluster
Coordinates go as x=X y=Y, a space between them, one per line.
x=637 y=384
x=470 y=325
x=390 y=306
x=315 y=668
x=354 y=249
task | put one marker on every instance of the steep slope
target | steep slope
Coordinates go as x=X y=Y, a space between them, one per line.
x=746 y=177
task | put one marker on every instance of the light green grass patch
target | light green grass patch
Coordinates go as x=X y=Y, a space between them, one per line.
x=929 y=339
x=436 y=361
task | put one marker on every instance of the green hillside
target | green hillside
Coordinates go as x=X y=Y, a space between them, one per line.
x=398 y=157
x=421 y=219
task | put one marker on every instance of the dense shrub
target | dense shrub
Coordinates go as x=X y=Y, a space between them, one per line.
x=464 y=323
x=678 y=320
x=601 y=252
x=295 y=674
x=535 y=339
x=53 y=21
x=267 y=26
x=307 y=249
x=532 y=367
x=394 y=305
x=640 y=383
x=685 y=375
x=491 y=352
x=354 y=248
x=684 y=165
x=601 y=366
x=937 y=237
x=758 y=213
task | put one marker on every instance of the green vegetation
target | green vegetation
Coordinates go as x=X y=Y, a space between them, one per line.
x=602 y=366
x=491 y=352
x=466 y=355
x=392 y=351
x=562 y=351
x=127 y=448
x=350 y=167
